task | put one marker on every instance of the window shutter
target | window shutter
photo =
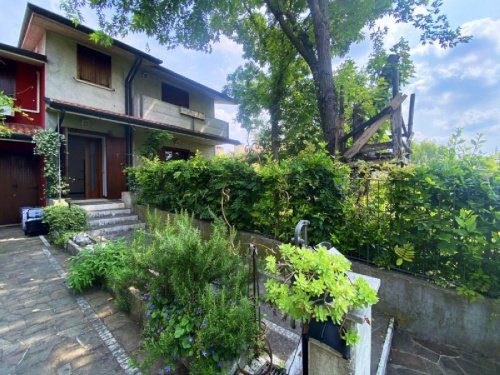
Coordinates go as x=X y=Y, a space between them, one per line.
x=93 y=66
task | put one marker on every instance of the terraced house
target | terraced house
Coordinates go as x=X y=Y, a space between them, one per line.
x=105 y=100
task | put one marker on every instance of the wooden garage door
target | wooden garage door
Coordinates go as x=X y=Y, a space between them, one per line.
x=18 y=184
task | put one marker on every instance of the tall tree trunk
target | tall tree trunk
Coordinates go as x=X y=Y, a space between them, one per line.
x=323 y=74
x=317 y=56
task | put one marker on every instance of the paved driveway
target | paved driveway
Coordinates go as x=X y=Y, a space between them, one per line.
x=43 y=327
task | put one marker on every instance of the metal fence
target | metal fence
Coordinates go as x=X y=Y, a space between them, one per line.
x=388 y=213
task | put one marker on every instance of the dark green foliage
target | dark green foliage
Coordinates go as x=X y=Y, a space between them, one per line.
x=197 y=307
x=446 y=210
x=196 y=185
x=64 y=221
x=271 y=197
x=91 y=266
x=450 y=209
x=309 y=186
x=155 y=140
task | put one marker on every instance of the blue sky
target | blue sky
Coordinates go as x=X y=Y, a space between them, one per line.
x=459 y=87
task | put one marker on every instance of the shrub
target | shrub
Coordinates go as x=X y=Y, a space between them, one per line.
x=438 y=219
x=197 y=307
x=198 y=312
x=309 y=186
x=270 y=197
x=92 y=266
x=48 y=144
x=64 y=221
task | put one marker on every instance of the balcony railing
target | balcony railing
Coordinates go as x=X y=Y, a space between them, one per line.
x=157 y=110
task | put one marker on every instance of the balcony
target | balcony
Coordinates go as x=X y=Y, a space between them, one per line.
x=157 y=110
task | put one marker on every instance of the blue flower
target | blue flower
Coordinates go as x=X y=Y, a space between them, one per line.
x=152 y=307
x=160 y=372
x=190 y=339
x=219 y=364
x=158 y=330
x=204 y=353
x=146 y=296
x=148 y=314
x=167 y=369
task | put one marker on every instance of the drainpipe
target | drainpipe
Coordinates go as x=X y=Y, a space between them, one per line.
x=129 y=108
x=60 y=119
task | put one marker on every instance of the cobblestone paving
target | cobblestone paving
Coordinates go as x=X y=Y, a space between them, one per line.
x=42 y=329
x=410 y=356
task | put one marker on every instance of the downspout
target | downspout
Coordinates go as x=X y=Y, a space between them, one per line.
x=62 y=147
x=129 y=108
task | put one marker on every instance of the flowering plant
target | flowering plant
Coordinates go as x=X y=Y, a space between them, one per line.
x=198 y=314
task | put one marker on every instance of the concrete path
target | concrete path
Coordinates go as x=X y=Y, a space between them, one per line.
x=43 y=327
x=410 y=356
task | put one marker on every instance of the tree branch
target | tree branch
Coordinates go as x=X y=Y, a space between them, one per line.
x=306 y=53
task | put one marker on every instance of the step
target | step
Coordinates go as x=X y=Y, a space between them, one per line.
x=111 y=220
x=117 y=228
x=101 y=206
x=108 y=213
x=382 y=326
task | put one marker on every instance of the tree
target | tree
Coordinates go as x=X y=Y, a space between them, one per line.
x=317 y=29
x=263 y=83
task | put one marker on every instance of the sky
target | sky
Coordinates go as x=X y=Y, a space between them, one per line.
x=458 y=87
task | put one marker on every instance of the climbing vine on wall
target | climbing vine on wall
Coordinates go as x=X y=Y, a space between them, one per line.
x=48 y=144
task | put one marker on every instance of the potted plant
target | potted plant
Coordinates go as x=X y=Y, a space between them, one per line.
x=314 y=286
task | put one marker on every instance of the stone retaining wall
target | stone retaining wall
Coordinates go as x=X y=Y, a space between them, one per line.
x=437 y=314
x=429 y=312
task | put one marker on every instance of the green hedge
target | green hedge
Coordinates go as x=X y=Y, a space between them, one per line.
x=269 y=197
x=439 y=220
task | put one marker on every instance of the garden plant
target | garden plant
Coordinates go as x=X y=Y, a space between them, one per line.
x=198 y=315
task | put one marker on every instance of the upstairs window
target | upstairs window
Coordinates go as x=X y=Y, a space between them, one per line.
x=8 y=78
x=174 y=95
x=93 y=66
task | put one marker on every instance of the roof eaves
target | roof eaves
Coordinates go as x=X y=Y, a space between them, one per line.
x=215 y=93
x=129 y=120
x=31 y=8
x=23 y=52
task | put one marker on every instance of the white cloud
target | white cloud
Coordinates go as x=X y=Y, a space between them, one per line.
x=395 y=30
x=485 y=28
x=228 y=47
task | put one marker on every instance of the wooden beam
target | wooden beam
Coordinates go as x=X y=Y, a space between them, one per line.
x=375 y=147
x=365 y=137
x=394 y=104
x=396 y=130
x=410 y=114
x=397 y=101
x=406 y=146
x=358 y=129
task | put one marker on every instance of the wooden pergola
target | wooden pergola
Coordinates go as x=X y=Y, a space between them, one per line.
x=398 y=149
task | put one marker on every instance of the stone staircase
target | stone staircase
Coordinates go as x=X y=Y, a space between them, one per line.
x=109 y=219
